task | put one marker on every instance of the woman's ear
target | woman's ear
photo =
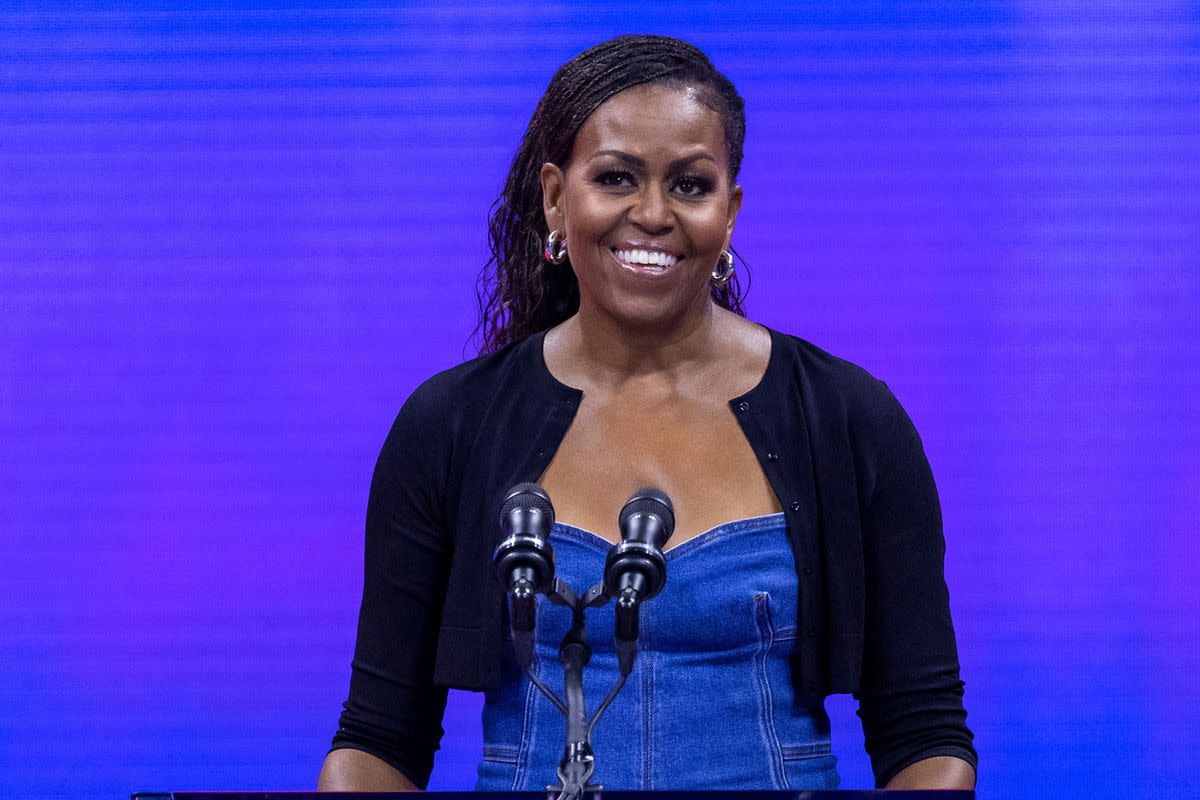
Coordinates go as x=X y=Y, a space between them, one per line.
x=735 y=205
x=552 y=195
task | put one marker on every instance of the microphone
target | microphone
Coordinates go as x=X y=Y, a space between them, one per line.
x=524 y=559
x=636 y=569
x=636 y=565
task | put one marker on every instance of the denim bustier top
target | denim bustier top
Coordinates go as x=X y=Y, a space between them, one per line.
x=710 y=703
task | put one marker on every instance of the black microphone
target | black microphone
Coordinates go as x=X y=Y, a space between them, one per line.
x=636 y=566
x=524 y=559
x=636 y=569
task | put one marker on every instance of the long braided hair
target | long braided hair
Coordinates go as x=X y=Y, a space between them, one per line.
x=517 y=295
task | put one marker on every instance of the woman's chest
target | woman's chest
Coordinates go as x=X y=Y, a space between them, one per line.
x=692 y=449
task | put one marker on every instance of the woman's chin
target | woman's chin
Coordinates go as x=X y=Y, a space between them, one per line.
x=650 y=312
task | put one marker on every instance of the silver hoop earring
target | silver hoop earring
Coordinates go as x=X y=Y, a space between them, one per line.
x=556 y=247
x=724 y=269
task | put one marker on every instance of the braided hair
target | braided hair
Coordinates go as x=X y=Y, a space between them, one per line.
x=517 y=296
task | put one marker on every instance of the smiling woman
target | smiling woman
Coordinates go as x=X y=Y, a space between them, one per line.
x=616 y=355
x=647 y=205
x=521 y=297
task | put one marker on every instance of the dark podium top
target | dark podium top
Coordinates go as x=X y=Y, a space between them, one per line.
x=838 y=794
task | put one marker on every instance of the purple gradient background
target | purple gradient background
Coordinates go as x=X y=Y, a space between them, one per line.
x=232 y=241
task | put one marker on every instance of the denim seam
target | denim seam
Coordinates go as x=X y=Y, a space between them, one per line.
x=766 y=698
x=713 y=535
x=501 y=753
x=799 y=752
x=527 y=727
x=725 y=531
x=647 y=760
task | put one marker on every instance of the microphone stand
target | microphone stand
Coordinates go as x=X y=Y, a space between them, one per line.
x=578 y=762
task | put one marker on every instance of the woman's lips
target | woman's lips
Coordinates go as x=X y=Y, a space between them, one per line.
x=644 y=270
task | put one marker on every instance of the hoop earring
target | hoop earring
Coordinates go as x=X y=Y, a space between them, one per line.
x=724 y=269
x=556 y=247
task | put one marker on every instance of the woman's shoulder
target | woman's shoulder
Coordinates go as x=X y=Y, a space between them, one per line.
x=831 y=378
x=449 y=399
x=847 y=405
x=467 y=379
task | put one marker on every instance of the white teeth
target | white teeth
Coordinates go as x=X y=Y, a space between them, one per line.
x=649 y=257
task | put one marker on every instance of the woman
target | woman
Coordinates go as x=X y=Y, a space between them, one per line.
x=807 y=554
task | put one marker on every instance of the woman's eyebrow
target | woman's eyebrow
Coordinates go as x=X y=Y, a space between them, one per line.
x=639 y=163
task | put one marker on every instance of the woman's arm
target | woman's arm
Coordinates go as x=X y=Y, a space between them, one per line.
x=939 y=772
x=394 y=710
x=349 y=770
x=910 y=693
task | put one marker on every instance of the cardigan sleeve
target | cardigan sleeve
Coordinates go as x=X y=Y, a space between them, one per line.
x=910 y=694
x=394 y=711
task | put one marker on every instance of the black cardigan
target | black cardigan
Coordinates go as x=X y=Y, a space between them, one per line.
x=838 y=449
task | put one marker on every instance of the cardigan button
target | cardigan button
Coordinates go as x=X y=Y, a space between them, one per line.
x=772 y=455
x=812 y=634
x=743 y=406
x=795 y=505
x=808 y=569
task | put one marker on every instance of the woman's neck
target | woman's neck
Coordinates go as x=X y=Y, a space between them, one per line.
x=594 y=349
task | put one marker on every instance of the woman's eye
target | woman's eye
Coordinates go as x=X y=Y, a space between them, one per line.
x=614 y=178
x=692 y=185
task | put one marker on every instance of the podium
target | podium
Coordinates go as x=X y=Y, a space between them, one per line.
x=799 y=794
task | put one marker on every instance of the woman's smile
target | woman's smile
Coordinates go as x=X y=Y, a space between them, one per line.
x=645 y=261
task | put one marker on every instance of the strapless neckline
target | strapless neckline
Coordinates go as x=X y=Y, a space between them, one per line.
x=705 y=537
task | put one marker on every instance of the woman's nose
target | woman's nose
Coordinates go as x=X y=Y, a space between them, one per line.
x=651 y=210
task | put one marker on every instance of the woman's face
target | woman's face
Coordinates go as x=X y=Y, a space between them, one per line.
x=645 y=204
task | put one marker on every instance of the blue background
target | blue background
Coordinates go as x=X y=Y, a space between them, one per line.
x=233 y=239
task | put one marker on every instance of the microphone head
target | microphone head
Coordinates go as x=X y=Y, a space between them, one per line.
x=645 y=502
x=529 y=497
x=637 y=563
x=524 y=558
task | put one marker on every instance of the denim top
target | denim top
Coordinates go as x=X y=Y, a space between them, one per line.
x=710 y=702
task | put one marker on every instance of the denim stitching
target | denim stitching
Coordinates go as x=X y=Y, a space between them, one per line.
x=766 y=698
x=528 y=729
x=647 y=662
x=798 y=752
x=722 y=532
x=502 y=753
x=590 y=540
x=715 y=534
